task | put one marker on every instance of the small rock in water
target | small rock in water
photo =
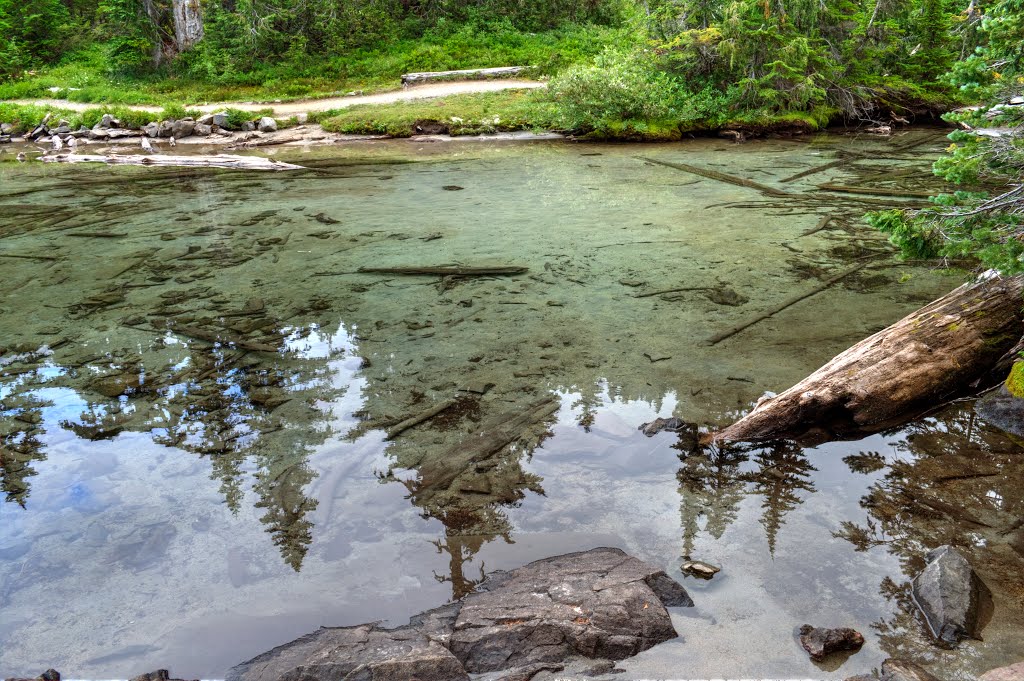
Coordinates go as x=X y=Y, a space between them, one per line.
x=1014 y=672
x=325 y=219
x=698 y=568
x=903 y=670
x=659 y=424
x=452 y=188
x=949 y=595
x=820 y=643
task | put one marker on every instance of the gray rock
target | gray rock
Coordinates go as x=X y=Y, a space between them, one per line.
x=302 y=118
x=903 y=670
x=1014 y=672
x=267 y=124
x=248 y=126
x=151 y=130
x=598 y=604
x=527 y=673
x=820 y=643
x=949 y=595
x=361 y=653
x=218 y=119
x=202 y=130
x=183 y=128
x=6 y=128
x=108 y=121
x=62 y=128
x=698 y=568
x=1002 y=409
x=165 y=128
x=657 y=425
x=5 y=139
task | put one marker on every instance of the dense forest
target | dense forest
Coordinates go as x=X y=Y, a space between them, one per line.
x=647 y=69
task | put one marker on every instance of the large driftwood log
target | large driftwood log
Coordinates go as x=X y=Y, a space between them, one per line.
x=466 y=74
x=947 y=349
x=218 y=161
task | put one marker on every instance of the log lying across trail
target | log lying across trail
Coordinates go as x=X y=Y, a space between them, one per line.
x=952 y=347
x=218 y=161
x=465 y=74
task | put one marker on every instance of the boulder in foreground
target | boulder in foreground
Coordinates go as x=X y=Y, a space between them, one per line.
x=601 y=604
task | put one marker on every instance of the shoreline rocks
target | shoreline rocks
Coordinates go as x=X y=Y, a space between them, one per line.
x=600 y=604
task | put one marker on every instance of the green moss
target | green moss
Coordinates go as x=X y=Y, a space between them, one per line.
x=1015 y=381
x=955 y=326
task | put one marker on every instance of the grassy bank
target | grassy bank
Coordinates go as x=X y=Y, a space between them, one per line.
x=85 y=76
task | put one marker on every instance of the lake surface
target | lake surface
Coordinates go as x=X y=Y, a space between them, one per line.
x=197 y=382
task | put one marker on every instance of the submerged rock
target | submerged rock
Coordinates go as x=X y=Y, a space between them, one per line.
x=1013 y=672
x=904 y=670
x=820 y=643
x=659 y=424
x=599 y=604
x=949 y=594
x=48 y=675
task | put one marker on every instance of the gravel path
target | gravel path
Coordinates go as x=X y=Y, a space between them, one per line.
x=303 y=106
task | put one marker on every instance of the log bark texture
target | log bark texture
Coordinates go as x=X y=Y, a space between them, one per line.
x=466 y=74
x=950 y=348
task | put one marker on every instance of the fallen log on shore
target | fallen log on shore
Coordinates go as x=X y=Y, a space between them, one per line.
x=218 y=161
x=465 y=74
x=950 y=348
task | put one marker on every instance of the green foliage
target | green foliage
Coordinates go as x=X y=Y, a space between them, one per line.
x=985 y=220
x=32 y=33
x=616 y=87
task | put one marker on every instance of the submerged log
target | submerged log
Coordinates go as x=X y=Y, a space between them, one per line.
x=465 y=74
x=218 y=161
x=721 y=177
x=446 y=270
x=947 y=349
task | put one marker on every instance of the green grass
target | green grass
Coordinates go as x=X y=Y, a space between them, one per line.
x=466 y=114
x=83 y=76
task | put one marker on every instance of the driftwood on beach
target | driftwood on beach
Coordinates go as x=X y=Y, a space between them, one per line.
x=950 y=348
x=217 y=161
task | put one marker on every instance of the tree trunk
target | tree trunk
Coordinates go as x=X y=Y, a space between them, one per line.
x=188 y=24
x=950 y=348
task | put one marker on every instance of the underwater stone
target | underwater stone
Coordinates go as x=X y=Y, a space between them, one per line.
x=657 y=425
x=948 y=593
x=903 y=670
x=820 y=643
x=1013 y=672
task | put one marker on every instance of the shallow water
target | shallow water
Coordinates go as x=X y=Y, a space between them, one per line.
x=175 y=501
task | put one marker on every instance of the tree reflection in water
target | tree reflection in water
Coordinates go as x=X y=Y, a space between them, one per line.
x=953 y=480
x=713 y=480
